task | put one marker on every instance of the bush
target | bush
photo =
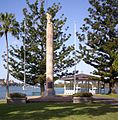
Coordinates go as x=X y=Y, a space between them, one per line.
x=82 y=94
x=17 y=95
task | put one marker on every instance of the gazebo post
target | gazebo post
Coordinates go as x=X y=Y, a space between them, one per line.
x=70 y=84
x=74 y=84
x=64 y=85
x=88 y=85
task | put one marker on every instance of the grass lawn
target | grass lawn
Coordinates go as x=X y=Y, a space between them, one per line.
x=107 y=96
x=58 y=111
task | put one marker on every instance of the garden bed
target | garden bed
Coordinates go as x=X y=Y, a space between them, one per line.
x=16 y=98
x=82 y=99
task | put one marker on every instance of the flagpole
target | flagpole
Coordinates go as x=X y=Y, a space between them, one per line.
x=24 y=57
x=75 y=57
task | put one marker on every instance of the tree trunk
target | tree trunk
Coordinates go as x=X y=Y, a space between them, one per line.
x=98 y=87
x=7 y=59
x=112 y=88
x=49 y=57
x=42 y=89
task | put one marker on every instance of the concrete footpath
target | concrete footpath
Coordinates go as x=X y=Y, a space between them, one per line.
x=111 y=101
x=66 y=98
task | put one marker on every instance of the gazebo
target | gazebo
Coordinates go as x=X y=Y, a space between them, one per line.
x=81 y=83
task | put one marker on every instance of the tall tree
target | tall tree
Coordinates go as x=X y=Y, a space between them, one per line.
x=101 y=38
x=115 y=63
x=8 y=24
x=35 y=42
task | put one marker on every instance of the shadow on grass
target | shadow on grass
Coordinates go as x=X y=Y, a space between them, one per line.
x=46 y=111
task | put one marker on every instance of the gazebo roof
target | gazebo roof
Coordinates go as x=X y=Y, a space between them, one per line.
x=80 y=77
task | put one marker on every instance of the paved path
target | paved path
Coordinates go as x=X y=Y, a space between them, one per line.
x=65 y=98
x=112 y=101
x=56 y=98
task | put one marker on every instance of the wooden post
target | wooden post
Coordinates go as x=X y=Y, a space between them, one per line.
x=49 y=57
x=98 y=87
x=88 y=86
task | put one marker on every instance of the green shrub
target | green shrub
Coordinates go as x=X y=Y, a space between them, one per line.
x=82 y=94
x=17 y=95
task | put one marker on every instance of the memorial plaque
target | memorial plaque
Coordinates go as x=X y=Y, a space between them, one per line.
x=50 y=84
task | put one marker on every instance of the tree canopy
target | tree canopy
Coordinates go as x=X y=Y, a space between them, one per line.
x=100 y=34
x=33 y=35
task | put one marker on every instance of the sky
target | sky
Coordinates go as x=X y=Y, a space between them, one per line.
x=74 y=10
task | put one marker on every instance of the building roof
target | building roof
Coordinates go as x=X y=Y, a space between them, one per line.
x=80 y=77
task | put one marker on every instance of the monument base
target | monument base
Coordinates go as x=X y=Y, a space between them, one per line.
x=50 y=92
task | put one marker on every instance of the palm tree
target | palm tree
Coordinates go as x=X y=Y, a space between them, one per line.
x=8 y=24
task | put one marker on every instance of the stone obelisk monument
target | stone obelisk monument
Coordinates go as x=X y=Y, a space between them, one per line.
x=49 y=57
